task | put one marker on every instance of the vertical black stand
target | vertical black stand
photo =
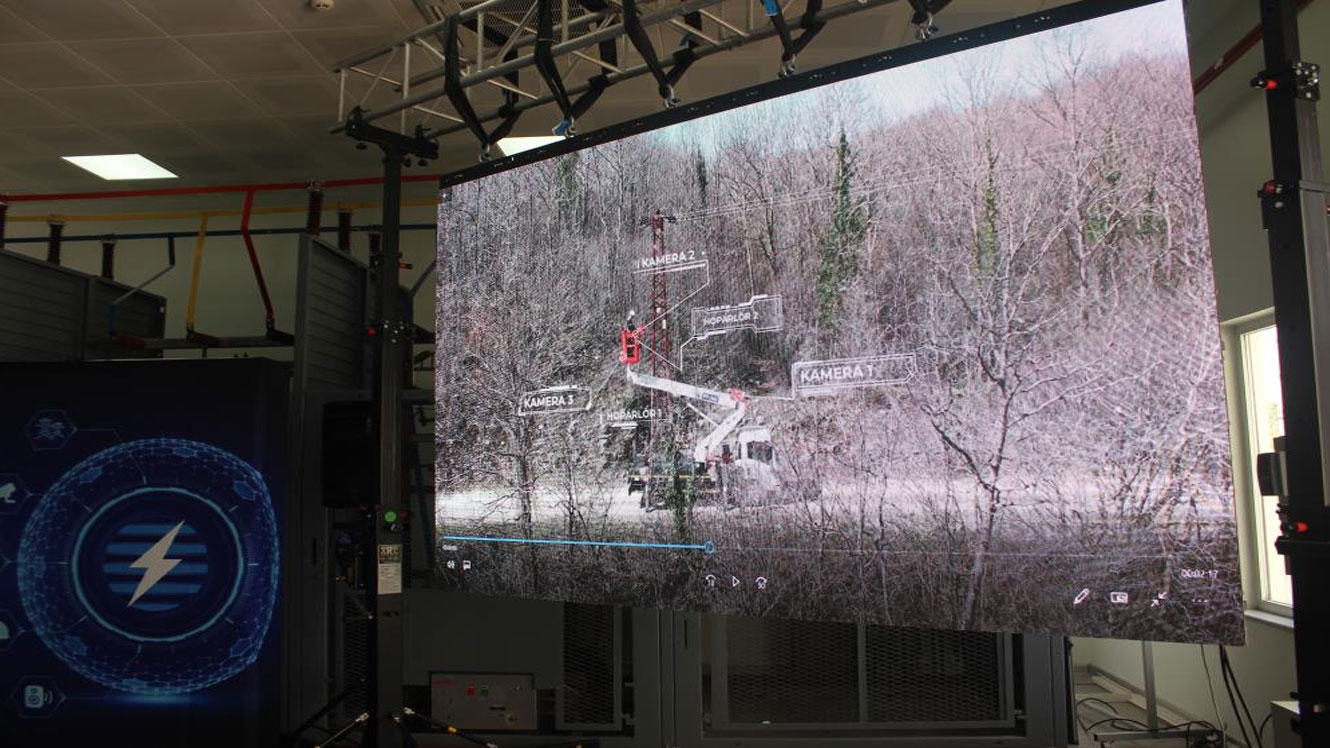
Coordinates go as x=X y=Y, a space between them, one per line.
x=1294 y=213
x=392 y=335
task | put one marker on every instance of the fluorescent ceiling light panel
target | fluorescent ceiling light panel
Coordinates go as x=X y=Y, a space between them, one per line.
x=120 y=166
x=514 y=146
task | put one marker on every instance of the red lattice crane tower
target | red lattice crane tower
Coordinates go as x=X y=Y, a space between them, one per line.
x=660 y=346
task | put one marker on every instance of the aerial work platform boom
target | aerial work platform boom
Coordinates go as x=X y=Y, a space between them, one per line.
x=734 y=401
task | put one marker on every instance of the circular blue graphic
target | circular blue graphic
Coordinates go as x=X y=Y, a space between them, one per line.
x=152 y=567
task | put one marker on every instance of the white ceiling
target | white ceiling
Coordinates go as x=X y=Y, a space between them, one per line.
x=225 y=91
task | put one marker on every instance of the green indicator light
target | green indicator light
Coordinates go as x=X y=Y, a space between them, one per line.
x=390 y=516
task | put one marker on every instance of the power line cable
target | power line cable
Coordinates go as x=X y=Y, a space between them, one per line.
x=1227 y=665
x=1214 y=702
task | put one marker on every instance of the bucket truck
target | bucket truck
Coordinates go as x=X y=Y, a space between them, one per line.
x=727 y=447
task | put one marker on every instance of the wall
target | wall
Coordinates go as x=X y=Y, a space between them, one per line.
x=229 y=303
x=1236 y=160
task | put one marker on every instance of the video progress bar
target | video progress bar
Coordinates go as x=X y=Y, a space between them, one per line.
x=707 y=547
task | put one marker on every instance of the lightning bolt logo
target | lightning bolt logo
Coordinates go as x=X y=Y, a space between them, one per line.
x=155 y=564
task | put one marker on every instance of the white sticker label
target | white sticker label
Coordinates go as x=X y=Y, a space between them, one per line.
x=390 y=569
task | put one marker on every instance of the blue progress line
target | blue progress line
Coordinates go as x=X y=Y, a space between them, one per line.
x=708 y=547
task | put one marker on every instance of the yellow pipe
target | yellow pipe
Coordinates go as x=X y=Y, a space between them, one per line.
x=194 y=274
x=182 y=214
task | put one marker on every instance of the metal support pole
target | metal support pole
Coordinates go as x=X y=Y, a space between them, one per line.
x=108 y=258
x=314 y=211
x=659 y=334
x=4 y=211
x=1293 y=210
x=388 y=654
x=1151 y=698
x=344 y=230
x=391 y=345
x=53 y=242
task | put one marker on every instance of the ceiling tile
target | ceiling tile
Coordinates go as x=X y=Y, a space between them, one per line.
x=410 y=13
x=180 y=17
x=198 y=101
x=139 y=61
x=285 y=159
x=156 y=137
x=242 y=134
x=330 y=45
x=13 y=145
x=296 y=14
x=205 y=167
x=25 y=110
x=71 y=20
x=721 y=75
x=64 y=140
x=46 y=65
x=313 y=131
x=38 y=171
x=253 y=55
x=10 y=183
x=14 y=29
x=103 y=105
x=864 y=35
x=295 y=96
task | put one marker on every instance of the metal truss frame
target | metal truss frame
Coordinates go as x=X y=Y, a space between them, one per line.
x=491 y=43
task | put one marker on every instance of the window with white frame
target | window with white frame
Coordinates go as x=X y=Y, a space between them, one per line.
x=1263 y=420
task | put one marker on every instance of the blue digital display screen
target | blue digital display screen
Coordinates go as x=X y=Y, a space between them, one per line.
x=139 y=551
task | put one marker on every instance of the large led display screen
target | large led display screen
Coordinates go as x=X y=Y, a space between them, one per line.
x=935 y=345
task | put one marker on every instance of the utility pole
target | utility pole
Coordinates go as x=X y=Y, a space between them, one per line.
x=661 y=345
x=392 y=335
x=1293 y=211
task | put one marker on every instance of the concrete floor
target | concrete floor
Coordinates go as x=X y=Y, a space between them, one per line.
x=1098 y=698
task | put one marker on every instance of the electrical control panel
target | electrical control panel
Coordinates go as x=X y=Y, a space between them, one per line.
x=484 y=701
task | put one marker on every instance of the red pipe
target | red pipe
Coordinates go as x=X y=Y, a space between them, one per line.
x=217 y=189
x=268 y=319
x=1226 y=60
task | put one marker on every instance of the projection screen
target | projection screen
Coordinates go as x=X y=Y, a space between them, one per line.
x=925 y=340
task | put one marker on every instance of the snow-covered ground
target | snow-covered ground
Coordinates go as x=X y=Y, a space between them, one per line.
x=598 y=504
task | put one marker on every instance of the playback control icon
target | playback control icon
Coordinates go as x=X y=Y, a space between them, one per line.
x=730 y=581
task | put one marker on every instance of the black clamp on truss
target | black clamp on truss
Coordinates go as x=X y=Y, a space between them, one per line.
x=549 y=72
x=394 y=144
x=683 y=58
x=790 y=46
x=456 y=93
x=924 y=28
x=1303 y=79
x=510 y=99
x=609 y=53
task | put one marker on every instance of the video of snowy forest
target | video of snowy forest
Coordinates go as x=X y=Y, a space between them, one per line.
x=934 y=347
